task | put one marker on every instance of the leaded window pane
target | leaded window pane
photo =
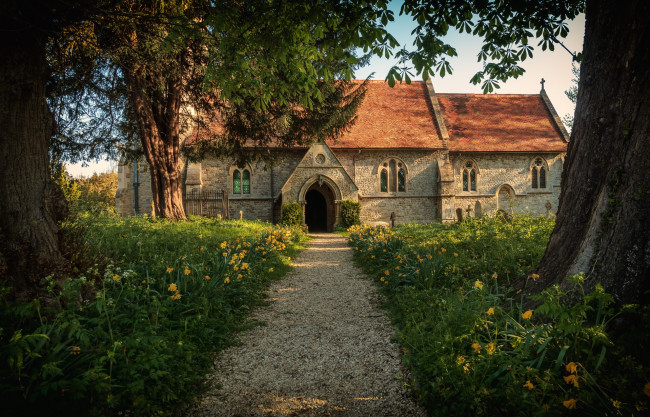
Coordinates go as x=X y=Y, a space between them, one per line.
x=383 y=180
x=465 y=186
x=393 y=176
x=401 y=180
x=542 y=178
x=472 y=180
x=246 y=182
x=534 y=177
x=236 y=182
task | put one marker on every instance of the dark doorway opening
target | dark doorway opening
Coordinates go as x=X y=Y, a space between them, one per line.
x=316 y=211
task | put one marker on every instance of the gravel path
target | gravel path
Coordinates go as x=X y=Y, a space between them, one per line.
x=326 y=349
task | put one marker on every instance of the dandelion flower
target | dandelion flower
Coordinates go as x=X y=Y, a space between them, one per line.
x=172 y=287
x=226 y=281
x=527 y=315
x=571 y=367
x=572 y=379
x=478 y=284
x=490 y=311
x=570 y=404
x=477 y=347
x=529 y=385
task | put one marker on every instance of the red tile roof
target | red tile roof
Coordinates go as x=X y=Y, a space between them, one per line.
x=398 y=117
x=499 y=123
x=403 y=117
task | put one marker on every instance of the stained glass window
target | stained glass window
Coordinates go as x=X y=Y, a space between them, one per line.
x=542 y=178
x=534 y=176
x=236 y=182
x=384 y=181
x=246 y=182
x=401 y=180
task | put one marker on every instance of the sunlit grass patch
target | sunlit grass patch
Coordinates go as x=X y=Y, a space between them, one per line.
x=474 y=349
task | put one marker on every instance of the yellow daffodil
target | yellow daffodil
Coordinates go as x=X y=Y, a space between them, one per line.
x=455 y=254
x=387 y=272
x=240 y=276
x=529 y=385
x=646 y=389
x=534 y=277
x=571 y=367
x=75 y=350
x=187 y=271
x=144 y=281
x=172 y=287
x=527 y=315
x=244 y=265
x=460 y=359
x=176 y=296
x=201 y=248
x=490 y=311
x=207 y=278
x=616 y=403
x=224 y=254
x=477 y=347
x=478 y=284
x=226 y=281
x=572 y=379
x=495 y=276
x=570 y=404
x=489 y=348
x=236 y=268
x=429 y=257
x=116 y=278
x=443 y=250
x=270 y=269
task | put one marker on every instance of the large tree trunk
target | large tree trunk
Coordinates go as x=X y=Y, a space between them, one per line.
x=158 y=124
x=602 y=226
x=29 y=202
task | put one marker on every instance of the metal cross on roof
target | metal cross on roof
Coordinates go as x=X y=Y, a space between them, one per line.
x=542 y=83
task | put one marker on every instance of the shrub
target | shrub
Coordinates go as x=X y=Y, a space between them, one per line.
x=350 y=211
x=291 y=214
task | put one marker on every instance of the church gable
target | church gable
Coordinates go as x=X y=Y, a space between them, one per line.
x=319 y=164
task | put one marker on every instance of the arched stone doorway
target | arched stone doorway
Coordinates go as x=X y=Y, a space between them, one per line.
x=320 y=212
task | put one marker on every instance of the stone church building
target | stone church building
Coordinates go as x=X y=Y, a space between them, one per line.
x=413 y=152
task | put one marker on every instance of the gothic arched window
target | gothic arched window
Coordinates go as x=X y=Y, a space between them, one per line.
x=392 y=176
x=538 y=173
x=469 y=176
x=241 y=181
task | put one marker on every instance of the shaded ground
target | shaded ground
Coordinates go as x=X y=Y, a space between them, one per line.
x=326 y=349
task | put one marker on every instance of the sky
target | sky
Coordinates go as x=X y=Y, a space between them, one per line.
x=553 y=66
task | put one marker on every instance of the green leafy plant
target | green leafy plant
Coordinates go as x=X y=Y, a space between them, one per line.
x=350 y=212
x=472 y=348
x=291 y=214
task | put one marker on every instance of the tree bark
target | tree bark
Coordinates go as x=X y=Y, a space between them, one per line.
x=602 y=226
x=158 y=124
x=29 y=202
